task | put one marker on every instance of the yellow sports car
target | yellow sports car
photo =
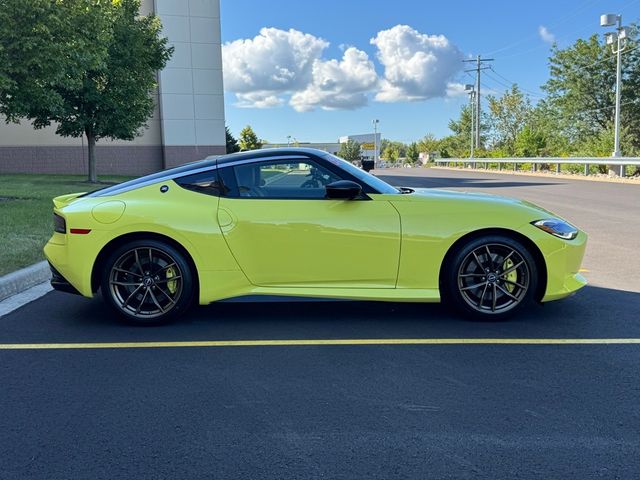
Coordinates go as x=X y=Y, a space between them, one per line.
x=302 y=222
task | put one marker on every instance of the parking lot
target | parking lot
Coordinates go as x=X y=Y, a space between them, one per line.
x=353 y=389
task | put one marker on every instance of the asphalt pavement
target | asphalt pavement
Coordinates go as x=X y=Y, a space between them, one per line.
x=342 y=411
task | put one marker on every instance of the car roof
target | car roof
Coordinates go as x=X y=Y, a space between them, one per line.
x=263 y=153
x=203 y=165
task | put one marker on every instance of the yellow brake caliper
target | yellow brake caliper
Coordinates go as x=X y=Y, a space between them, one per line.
x=511 y=276
x=172 y=285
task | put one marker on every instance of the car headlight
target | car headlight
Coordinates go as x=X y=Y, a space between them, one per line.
x=558 y=228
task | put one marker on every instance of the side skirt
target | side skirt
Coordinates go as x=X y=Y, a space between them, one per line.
x=365 y=294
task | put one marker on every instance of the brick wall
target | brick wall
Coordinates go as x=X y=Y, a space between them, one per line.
x=111 y=159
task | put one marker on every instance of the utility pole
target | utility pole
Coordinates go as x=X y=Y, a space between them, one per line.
x=479 y=67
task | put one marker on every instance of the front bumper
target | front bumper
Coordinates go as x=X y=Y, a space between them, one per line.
x=563 y=269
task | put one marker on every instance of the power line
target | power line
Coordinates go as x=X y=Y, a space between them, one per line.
x=584 y=67
x=562 y=37
x=545 y=45
x=630 y=102
x=530 y=92
x=565 y=19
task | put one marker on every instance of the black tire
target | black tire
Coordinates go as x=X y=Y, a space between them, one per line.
x=147 y=282
x=490 y=278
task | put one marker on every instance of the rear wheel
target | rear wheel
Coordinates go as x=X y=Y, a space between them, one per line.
x=491 y=277
x=147 y=282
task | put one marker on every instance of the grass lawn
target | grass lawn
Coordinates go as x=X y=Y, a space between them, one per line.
x=26 y=213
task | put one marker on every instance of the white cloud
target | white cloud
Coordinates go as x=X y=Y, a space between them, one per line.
x=456 y=89
x=416 y=66
x=338 y=84
x=277 y=66
x=258 y=99
x=272 y=63
x=546 y=35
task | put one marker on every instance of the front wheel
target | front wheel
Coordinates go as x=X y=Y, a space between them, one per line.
x=491 y=277
x=147 y=282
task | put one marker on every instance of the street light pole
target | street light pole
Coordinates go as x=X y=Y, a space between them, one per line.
x=616 y=142
x=375 y=142
x=472 y=94
x=617 y=41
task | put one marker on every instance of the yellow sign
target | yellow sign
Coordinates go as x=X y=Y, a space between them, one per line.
x=367 y=146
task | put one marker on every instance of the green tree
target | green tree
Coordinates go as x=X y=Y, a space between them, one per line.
x=581 y=89
x=458 y=144
x=89 y=66
x=544 y=120
x=249 y=139
x=508 y=115
x=413 y=153
x=232 y=143
x=429 y=144
x=529 y=143
x=391 y=152
x=350 y=151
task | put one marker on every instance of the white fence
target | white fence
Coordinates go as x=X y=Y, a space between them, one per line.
x=535 y=162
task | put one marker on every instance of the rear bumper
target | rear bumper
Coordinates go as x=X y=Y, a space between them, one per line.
x=58 y=282
x=69 y=273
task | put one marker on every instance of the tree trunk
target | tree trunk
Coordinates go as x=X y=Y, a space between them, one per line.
x=91 y=146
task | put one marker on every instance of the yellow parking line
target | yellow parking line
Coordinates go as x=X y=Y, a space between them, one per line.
x=584 y=270
x=291 y=343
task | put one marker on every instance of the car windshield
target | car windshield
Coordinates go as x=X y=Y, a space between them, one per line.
x=380 y=185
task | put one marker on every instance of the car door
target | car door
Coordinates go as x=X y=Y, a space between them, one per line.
x=284 y=232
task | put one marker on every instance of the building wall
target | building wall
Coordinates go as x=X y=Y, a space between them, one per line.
x=187 y=124
x=191 y=98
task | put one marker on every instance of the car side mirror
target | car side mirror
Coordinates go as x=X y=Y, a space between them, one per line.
x=343 y=189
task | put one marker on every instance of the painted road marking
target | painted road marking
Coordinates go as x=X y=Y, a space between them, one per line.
x=320 y=342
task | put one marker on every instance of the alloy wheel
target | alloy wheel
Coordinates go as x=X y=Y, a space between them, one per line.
x=493 y=278
x=146 y=282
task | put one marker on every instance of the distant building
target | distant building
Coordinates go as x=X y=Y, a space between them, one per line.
x=188 y=123
x=333 y=148
x=369 y=144
x=424 y=157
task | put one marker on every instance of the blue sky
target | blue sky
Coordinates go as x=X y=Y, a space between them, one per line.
x=411 y=93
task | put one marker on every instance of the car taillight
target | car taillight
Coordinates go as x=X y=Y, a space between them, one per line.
x=59 y=224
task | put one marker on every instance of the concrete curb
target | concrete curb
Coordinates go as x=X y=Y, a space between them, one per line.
x=21 y=280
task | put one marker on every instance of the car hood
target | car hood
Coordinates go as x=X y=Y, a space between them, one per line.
x=427 y=194
x=455 y=194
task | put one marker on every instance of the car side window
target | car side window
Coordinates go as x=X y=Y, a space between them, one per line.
x=203 y=182
x=283 y=179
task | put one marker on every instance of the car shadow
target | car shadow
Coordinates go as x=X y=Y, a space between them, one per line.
x=594 y=312
x=456 y=182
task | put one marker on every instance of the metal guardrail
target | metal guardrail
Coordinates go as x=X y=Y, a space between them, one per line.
x=536 y=161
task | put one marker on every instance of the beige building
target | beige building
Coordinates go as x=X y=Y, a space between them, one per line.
x=188 y=123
